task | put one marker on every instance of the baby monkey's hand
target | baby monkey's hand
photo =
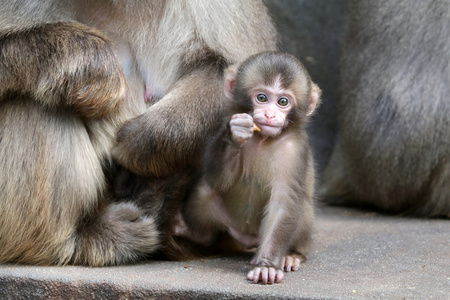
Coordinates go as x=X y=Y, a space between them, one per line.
x=241 y=126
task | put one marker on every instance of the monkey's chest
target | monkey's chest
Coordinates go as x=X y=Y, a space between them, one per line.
x=246 y=202
x=247 y=198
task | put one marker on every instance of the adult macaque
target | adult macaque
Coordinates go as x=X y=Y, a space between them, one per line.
x=258 y=186
x=71 y=73
x=392 y=150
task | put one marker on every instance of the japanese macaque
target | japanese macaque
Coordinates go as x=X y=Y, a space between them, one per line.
x=258 y=180
x=74 y=72
x=392 y=149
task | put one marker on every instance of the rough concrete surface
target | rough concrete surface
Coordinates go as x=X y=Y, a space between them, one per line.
x=356 y=254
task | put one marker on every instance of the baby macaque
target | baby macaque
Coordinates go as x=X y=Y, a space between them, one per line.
x=258 y=179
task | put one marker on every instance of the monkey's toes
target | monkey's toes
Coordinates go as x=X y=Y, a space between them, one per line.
x=292 y=263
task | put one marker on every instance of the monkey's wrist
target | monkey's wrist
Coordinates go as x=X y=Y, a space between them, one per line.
x=237 y=144
x=232 y=142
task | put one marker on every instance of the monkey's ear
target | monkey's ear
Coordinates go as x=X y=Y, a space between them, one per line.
x=230 y=81
x=314 y=100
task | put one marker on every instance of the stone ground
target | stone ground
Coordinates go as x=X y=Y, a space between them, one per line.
x=356 y=254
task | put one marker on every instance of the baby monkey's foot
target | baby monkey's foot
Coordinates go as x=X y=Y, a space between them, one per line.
x=292 y=262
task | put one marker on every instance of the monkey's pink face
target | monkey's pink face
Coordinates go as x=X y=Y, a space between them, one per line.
x=271 y=107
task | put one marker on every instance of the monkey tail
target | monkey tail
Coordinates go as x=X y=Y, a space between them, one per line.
x=120 y=233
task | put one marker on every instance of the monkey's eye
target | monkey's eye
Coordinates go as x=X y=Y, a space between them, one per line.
x=283 y=102
x=261 y=98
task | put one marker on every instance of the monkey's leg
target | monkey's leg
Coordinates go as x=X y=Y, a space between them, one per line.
x=248 y=241
x=286 y=232
x=52 y=206
x=201 y=220
x=206 y=209
x=62 y=64
x=301 y=239
x=182 y=229
x=171 y=134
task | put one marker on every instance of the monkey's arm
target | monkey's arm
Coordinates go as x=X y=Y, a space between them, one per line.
x=276 y=236
x=223 y=161
x=171 y=134
x=62 y=64
x=286 y=226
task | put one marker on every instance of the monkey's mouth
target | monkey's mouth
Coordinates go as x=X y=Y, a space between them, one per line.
x=269 y=129
x=268 y=125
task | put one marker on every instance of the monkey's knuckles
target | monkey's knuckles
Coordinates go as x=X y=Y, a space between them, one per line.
x=242 y=116
x=242 y=120
x=241 y=130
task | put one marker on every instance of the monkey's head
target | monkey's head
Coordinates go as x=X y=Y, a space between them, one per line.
x=274 y=88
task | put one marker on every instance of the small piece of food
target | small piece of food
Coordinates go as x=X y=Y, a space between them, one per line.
x=256 y=127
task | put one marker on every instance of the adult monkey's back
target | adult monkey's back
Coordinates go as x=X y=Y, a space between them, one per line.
x=70 y=74
x=393 y=146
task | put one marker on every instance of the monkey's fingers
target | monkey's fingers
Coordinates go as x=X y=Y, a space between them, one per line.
x=254 y=275
x=261 y=276
x=242 y=120
x=265 y=275
x=272 y=275
x=279 y=276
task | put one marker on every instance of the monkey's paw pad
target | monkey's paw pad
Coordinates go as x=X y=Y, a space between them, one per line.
x=267 y=275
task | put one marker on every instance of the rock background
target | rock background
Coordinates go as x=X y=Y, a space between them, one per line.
x=311 y=31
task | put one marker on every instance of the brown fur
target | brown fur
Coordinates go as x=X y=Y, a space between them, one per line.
x=267 y=184
x=171 y=192
x=92 y=94
x=392 y=150
x=71 y=73
x=198 y=91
